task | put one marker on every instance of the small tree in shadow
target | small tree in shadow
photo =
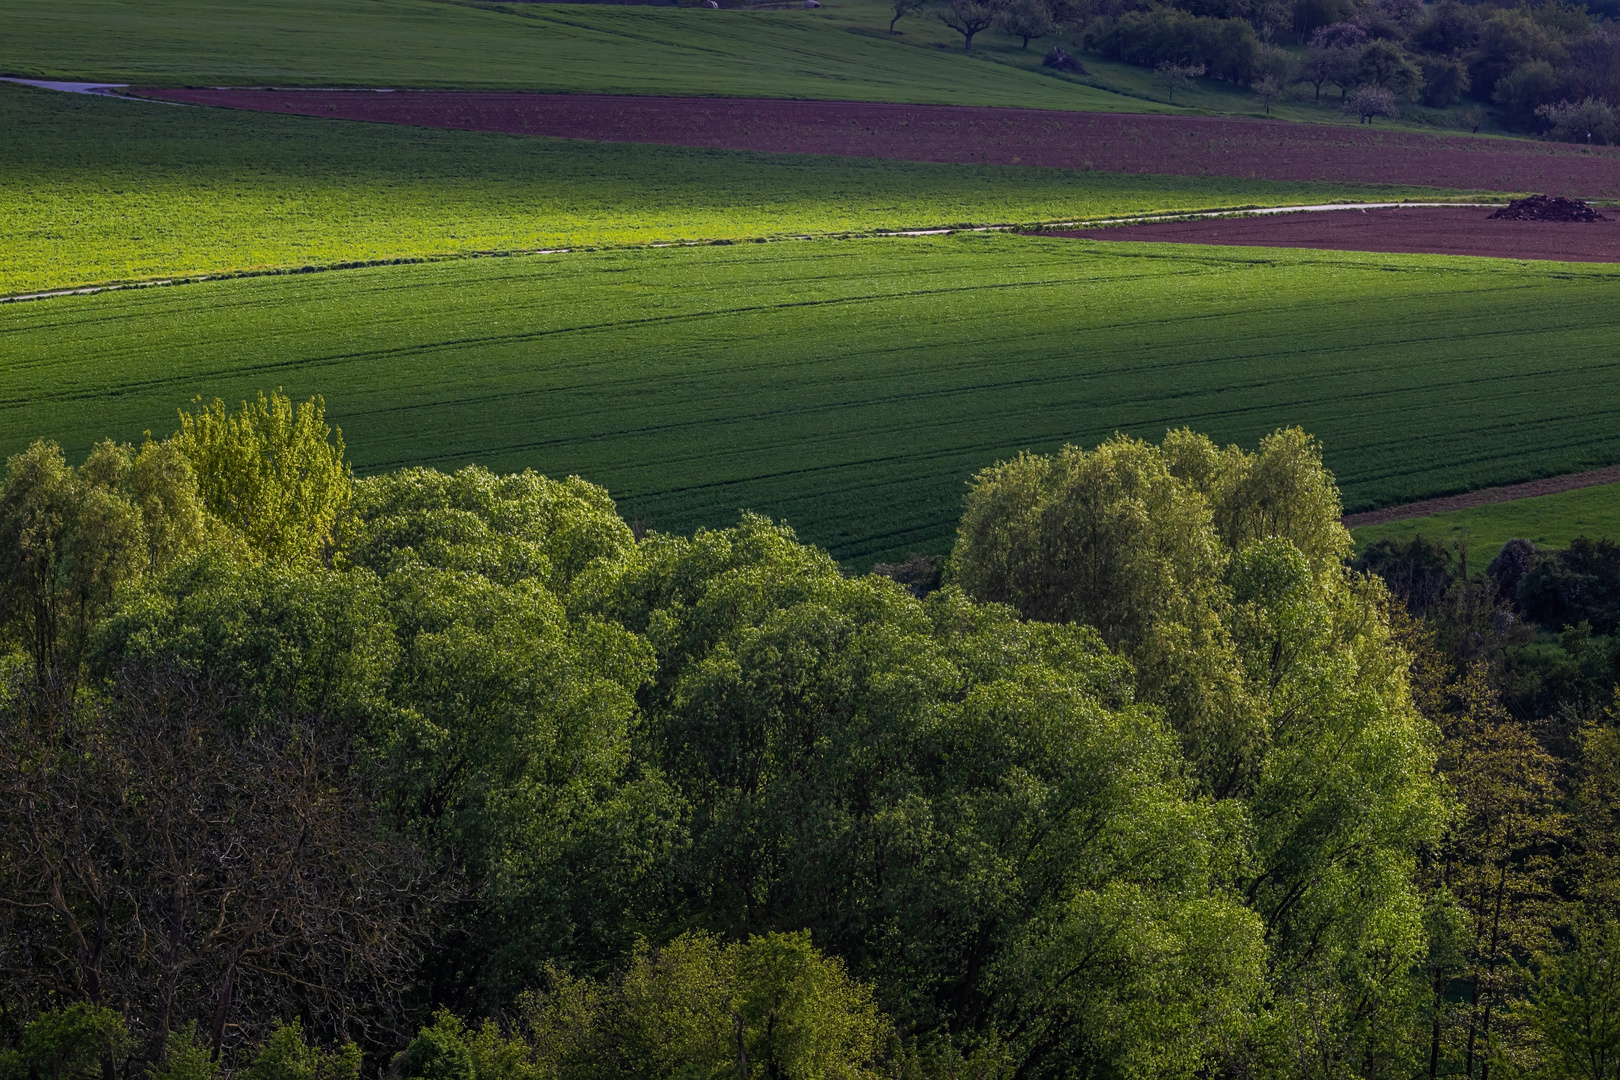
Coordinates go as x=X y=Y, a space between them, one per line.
x=1173 y=76
x=1268 y=90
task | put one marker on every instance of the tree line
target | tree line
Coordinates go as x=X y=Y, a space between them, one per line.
x=1546 y=68
x=455 y=776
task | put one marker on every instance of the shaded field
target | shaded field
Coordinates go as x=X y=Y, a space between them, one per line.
x=577 y=48
x=96 y=190
x=1109 y=142
x=852 y=387
x=1550 y=485
x=1435 y=231
x=1548 y=520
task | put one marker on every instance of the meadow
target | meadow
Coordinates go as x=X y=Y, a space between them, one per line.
x=95 y=190
x=1546 y=520
x=852 y=387
x=424 y=43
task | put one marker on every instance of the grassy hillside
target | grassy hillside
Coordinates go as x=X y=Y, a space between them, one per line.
x=95 y=190
x=1548 y=520
x=425 y=43
x=852 y=387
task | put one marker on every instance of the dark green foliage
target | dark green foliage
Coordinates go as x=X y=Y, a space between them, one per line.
x=770 y=1006
x=1228 y=48
x=1218 y=574
x=437 y=1054
x=1418 y=571
x=287 y=1056
x=81 y=1041
x=960 y=804
x=1580 y=583
x=1386 y=65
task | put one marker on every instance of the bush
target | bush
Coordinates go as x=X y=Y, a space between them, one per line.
x=286 y=1056
x=1589 y=121
x=1445 y=80
x=1384 y=64
x=1227 y=48
x=1578 y=584
x=1525 y=89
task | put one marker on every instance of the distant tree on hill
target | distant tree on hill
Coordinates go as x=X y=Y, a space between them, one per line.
x=969 y=17
x=1589 y=121
x=902 y=8
x=1172 y=74
x=1268 y=90
x=1026 y=19
x=1370 y=101
x=1322 y=66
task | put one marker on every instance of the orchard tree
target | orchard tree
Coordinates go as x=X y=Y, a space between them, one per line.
x=902 y=8
x=970 y=17
x=1174 y=75
x=1026 y=19
x=1268 y=90
x=1371 y=101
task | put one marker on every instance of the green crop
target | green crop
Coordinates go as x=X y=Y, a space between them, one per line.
x=852 y=387
x=1548 y=520
x=580 y=48
x=95 y=190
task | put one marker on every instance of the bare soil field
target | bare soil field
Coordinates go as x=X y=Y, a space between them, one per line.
x=1550 y=485
x=1186 y=146
x=1420 y=230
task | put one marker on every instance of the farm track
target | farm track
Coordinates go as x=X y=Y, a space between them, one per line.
x=1551 y=485
x=1108 y=142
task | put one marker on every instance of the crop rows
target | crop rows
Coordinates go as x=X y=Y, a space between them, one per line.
x=607 y=48
x=95 y=190
x=852 y=387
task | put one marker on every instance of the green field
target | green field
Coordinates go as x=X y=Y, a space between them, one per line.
x=1548 y=520
x=851 y=387
x=580 y=48
x=840 y=52
x=95 y=190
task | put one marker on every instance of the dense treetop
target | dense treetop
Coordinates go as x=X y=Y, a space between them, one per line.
x=456 y=775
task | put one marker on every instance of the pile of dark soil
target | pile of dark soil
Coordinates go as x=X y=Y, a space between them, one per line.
x=1548 y=208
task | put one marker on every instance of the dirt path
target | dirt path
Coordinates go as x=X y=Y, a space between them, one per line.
x=1108 y=142
x=1552 y=485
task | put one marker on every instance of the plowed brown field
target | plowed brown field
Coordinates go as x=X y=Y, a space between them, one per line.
x=1187 y=146
x=1433 y=231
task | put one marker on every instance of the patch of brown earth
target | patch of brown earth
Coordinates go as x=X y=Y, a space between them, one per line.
x=1108 y=142
x=1416 y=230
x=1551 y=485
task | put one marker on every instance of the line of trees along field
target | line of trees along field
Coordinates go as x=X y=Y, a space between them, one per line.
x=459 y=777
x=1551 y=67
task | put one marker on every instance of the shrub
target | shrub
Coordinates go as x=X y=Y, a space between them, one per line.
x=1228 y=48
x=1589 y=121
x=1525 y=89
